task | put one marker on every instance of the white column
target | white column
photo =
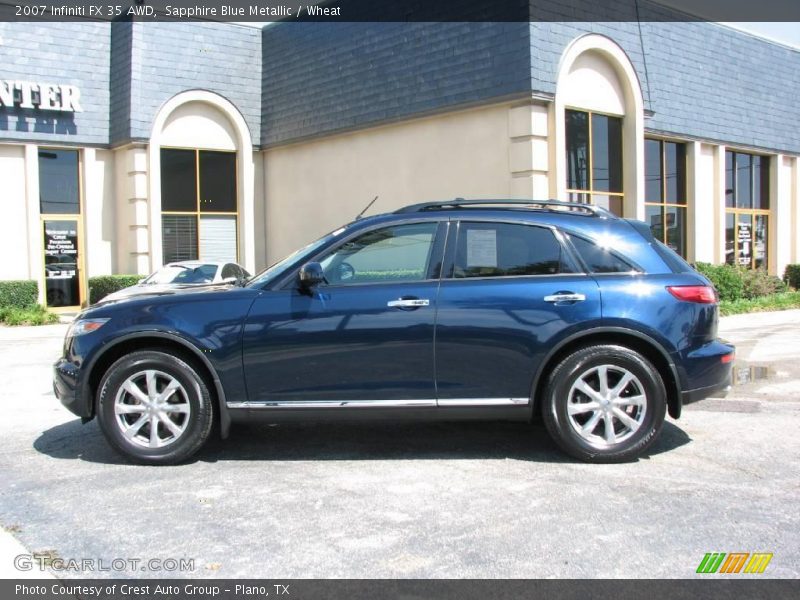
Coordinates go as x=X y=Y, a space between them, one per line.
x=795 y=234
x=259 y=213
x=633 y=156
x=719 y=204
x=703 y=205
x=133 y=218
x=780 y=226
x=528 y=151
x=247 y=220
x=99 y=213
x=14 y=233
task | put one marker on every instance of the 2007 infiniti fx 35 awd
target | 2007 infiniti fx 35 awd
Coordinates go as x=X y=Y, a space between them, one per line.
x=452 y=310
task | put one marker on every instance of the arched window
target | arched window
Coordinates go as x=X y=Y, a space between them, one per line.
x=599 y=127
x=201 y=182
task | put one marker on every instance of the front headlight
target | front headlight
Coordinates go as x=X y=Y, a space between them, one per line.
x=82 y=326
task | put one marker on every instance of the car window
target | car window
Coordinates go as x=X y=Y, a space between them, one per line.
x=598 y=259
x=674 y=261
x=182 y=273
x=507 y=249
x=230 y=270
x=277 y=269
x=199 y=274
x=398 y=253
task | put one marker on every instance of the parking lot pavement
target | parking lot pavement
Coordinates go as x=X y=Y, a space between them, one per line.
x=430 y=500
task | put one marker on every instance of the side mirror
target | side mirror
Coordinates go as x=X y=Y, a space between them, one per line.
x=311 y=274
x=230 y=281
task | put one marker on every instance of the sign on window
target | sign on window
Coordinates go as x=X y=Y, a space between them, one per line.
x=481 y=248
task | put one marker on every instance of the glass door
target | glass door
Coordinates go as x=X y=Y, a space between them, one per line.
x=60 y=210
x=61 y=262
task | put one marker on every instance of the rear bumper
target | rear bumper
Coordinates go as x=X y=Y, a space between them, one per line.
x=719 y=390
x=709 y=371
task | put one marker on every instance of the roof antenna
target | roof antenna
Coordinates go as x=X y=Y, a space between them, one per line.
x=366 y=208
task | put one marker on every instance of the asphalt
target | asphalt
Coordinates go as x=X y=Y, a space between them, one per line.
x=487 y=500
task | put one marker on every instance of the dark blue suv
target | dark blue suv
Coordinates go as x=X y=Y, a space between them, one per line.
x=454 y=310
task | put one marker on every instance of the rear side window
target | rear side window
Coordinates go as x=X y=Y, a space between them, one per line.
x=506 y=250
x=597 y=259
x=673 y=260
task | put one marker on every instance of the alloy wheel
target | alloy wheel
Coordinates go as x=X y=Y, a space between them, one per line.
x=606 y=405
x=152 y=409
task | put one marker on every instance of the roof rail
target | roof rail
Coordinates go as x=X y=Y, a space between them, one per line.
x=591 y=209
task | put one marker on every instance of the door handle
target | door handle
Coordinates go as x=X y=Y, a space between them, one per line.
x=565 y=297
x=408 y=303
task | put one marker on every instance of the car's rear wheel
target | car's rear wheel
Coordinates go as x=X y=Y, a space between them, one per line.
x=154 y=407
x=604 y=403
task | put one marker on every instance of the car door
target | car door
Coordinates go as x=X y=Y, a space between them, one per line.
x=366 y=335
x=510 y=290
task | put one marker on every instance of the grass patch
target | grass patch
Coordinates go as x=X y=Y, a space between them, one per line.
x=783 y=301
x=35 y=315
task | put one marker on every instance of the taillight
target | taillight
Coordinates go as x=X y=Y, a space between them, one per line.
x=702 y=294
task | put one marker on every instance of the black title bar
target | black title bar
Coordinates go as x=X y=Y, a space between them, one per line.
x=399 y=10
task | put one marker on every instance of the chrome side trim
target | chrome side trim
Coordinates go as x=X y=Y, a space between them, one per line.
x=424 y=403
x=337 y=404
x=484 y=402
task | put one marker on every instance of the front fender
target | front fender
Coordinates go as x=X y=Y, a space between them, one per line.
x=85 y=392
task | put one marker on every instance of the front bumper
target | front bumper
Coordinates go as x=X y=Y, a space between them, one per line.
x=66 y=388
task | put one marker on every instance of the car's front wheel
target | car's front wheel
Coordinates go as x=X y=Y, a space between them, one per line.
x=604 y=403
x=155 y=407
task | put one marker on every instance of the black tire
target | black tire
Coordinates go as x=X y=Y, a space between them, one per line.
x=194 y=421
x=593 y=443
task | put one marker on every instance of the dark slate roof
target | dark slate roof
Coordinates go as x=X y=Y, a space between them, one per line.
x=294 y=80
x=698 y=79
x=321 y=78
x=60 y=53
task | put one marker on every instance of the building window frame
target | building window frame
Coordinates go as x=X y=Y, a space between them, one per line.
x=682 y=193
x=78 y=217
x=197 y=213
x=741 y=213
x=616 y=199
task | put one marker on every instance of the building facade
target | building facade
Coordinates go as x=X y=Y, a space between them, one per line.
x=127 y=145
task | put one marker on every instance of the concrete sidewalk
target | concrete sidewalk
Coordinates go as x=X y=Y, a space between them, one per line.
x=10 y=550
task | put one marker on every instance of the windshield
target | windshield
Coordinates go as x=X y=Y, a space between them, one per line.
x=277 y=268
x=182 y=274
